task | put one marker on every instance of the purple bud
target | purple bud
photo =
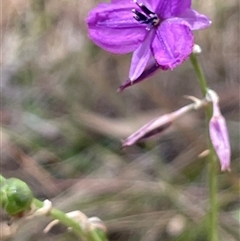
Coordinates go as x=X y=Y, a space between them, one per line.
x=219 y=133
x=151 y=128
x=158 y=125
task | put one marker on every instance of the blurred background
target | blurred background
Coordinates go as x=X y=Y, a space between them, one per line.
x=63 y=123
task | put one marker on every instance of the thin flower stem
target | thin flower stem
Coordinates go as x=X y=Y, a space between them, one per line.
x=212 y=166
x=69 y=222
x=200 y=74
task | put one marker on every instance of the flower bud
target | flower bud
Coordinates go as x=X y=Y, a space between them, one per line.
x=16 y=196
x=219 y=133
x=197 y=49
x=161 y=123
x=151 y=128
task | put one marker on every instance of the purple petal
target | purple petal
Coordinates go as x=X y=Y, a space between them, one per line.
x=140 y=58
x=173 y=8
x=151 y=68
x=173 y=43
x=195 y=20
x=121 y=1
x=151 y=128
x=112 y=27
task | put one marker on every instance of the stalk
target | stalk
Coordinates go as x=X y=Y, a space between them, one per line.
x=212 y=165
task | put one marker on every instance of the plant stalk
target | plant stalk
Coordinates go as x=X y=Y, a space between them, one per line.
x=212 y=165
x=69 y=222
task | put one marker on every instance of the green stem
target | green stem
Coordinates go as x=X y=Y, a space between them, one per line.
x=16 y=198
x=212 y=166
x=213 y=215
x=69 y=222
x=200 y=74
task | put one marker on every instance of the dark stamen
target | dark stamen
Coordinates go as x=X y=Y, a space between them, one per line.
x=139 y=16
x=146 y=16
x=145 y=9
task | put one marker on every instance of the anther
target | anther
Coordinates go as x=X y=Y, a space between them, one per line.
x=146 y=16
x=145 y=9
x=139 y=16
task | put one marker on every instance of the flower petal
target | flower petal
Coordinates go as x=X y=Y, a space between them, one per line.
x=151 y=68
x=173 y=43
x=121 y=1
x=140 y=57
x=195 y=20
x=173 y=8
x=112 y=27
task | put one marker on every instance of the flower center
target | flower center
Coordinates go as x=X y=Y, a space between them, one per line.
x=146 y=16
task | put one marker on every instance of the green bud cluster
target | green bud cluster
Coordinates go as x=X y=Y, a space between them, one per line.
x=15 y=196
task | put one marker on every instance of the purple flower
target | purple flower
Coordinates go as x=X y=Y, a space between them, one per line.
x=219 y=133
x=151 y=29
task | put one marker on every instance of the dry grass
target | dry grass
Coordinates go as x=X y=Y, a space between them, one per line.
x=62 y=125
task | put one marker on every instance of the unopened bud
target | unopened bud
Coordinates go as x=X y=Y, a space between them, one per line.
x=16 y=196
x=219 y=133
x=161 y=123
x=151 y=128
x=197 y=49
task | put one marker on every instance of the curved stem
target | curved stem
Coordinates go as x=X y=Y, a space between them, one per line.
x=69 y=222
x=212 y=166
x=18 y=191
